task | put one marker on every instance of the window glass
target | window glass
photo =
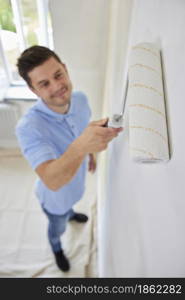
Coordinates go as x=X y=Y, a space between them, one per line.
x=30 y=21
x=9 y=36
x=3 y=81
x=31 y=29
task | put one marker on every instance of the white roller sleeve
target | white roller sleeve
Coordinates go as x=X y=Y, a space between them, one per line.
x=148 y=138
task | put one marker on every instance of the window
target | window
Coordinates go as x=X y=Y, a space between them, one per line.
x=23 y=23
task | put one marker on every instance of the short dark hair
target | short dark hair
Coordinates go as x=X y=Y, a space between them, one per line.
x=33 y=57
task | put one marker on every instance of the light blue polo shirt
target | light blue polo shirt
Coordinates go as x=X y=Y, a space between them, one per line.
x=43 y=135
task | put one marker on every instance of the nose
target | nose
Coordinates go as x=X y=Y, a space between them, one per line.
x=56 y=85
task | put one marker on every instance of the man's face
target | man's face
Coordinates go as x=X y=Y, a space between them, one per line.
x=50 y=81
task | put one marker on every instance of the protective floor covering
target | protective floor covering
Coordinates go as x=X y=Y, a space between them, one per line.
x=24 y=247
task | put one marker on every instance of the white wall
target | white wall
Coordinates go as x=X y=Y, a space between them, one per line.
x=115 y=79
x=142 y=228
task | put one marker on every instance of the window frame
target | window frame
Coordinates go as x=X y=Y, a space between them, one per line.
x=44 y=40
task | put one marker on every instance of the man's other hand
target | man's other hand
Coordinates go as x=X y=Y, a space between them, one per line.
x=92 y=163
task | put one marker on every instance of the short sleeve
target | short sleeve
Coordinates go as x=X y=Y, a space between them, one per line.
x=34 y=147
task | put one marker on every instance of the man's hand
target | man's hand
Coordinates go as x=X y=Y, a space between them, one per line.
x=92 y=163
x=95 y=137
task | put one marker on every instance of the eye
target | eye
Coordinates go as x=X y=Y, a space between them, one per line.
x=45 y=84
x=59 y=75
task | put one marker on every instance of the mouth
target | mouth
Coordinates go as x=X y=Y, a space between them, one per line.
x=61 y=92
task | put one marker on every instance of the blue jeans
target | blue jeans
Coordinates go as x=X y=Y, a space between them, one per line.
x=56 y=227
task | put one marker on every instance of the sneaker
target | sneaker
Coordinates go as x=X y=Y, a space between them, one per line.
x=80 y=218
x=62 y=261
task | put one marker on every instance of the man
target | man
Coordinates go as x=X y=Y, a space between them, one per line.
x=55 y=137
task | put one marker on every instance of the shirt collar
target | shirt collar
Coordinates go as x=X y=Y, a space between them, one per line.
x=43 y=108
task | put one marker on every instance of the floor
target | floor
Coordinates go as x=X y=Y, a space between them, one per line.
x=24 y=248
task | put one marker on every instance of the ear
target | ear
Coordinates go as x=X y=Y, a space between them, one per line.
x=29 y=83
x=33 y=90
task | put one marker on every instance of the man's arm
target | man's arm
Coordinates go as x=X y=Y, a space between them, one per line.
x=58 y=172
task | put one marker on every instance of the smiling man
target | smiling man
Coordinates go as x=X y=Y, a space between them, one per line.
x=56 y=137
